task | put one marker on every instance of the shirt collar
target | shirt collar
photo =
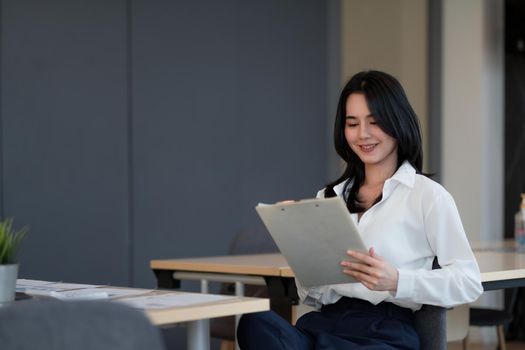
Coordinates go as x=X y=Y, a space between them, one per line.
x=406 y=175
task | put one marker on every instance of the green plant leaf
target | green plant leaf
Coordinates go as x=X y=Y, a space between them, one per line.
x=10 y=240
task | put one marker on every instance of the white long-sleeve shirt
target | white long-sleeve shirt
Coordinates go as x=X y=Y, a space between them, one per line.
x=415 y=221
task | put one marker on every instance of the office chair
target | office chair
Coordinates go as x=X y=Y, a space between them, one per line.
x=431 y=326
x=79 y=325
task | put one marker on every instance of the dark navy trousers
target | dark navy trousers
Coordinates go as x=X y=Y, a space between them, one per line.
x=348 y=324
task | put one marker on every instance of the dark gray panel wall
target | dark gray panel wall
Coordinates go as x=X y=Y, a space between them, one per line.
x=135 y=130
x=64 y=140
x=228 y=111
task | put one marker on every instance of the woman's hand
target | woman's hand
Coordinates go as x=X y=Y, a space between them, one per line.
x=371 y=270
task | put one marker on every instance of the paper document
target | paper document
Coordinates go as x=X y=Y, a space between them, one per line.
x=164 y=301
x=97 y=293
x=24 y=285
x=74 y=291
x=36 y=286
x=123 y=292
x=79 y=294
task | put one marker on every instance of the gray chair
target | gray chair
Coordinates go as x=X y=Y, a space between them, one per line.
x=431 y=327
x=79 y=325
x=431 y=324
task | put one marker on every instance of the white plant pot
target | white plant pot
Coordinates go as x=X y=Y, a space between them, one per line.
x=8 y=275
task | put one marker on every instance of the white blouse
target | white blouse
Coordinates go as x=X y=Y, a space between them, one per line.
x=415 y=221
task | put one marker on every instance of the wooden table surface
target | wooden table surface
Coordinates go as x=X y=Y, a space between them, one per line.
x=205 y=310
x=497 y=261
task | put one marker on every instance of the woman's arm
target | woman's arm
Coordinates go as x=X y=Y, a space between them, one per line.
x=458 y=280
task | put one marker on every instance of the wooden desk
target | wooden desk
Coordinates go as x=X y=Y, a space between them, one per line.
x=184 y=314
x=195 y=315
x=500 y=269
x=501 y=262
x=253 y=264
x=271 y=268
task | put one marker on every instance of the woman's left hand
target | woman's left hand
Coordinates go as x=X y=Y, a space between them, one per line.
x=371 y=270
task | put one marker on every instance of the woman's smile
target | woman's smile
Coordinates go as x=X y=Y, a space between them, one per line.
x=368 y=147
x=364 y=136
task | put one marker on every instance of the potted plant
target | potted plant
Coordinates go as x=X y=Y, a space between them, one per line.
x=10 y=240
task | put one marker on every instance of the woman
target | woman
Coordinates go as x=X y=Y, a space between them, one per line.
x=405 y=218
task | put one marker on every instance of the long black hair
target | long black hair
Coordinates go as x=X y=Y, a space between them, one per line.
x=392 y=112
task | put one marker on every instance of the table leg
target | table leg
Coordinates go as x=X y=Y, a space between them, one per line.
x=198 y=334
x=283 y=295
x=514 y=305
x=165 y=279
x=239 y=291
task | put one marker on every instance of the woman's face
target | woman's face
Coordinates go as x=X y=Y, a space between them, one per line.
x=371 y=144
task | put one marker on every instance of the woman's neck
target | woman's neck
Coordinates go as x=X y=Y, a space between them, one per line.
x=377 y=174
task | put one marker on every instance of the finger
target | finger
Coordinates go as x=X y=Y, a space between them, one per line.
x=348 y=263
x=364 y=268
x=372 y=252
x=367 y=259
x=369 y=281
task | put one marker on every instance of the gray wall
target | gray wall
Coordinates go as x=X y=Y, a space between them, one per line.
x=134 y=130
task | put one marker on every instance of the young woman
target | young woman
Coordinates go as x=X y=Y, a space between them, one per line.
x=406 y=219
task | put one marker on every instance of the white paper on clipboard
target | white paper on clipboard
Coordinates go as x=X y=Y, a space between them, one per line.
x=313 y=235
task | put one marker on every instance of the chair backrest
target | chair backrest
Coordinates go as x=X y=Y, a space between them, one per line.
x=431 y=324
x=253 y=240
x=80 y=325
x=431 y=327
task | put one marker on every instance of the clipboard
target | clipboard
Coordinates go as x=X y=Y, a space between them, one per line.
x=313 y=235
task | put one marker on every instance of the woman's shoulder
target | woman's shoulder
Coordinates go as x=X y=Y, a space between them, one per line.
x=430 y=189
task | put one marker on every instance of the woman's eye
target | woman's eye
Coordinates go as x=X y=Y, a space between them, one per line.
x=351 y=125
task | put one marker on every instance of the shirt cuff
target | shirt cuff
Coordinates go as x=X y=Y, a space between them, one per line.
x=405 y=284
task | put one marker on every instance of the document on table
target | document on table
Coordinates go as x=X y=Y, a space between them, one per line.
x=74 y=291
x=24 y=285
x=164 y=301
x=97 y=293
x=121 y=292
